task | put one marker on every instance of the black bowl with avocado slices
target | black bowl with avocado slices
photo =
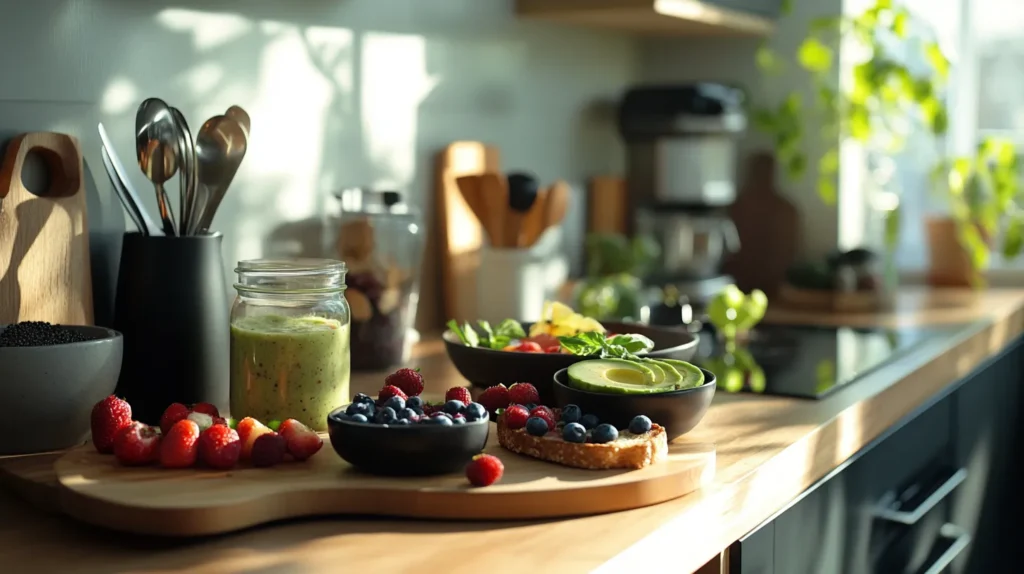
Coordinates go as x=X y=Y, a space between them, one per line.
x=488 y=367
x=674 y=394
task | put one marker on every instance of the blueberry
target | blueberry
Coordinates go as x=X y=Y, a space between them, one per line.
x=530 y=407
x=454 y=407
x=589 y=421
x=352 y=409
x=536 y=426
x=407 y=414
x=640 y=425
x=359 y=418
x=475 y=412
x=574 y=432
x=442 y=421
x=414 y=403
x=571 y=414
x=604 y=433
x=362 y=398
x=365 y=409
x=385 y=415
x=396 y=403
x=458 y=420
x=343 y=416
x=402 y=422
x=419 y=412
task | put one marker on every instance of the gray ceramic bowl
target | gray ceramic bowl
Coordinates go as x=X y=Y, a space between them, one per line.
x=48 y=392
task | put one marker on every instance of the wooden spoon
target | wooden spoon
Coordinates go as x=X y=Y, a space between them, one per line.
x=557 y=204
x=533 y=222
x=471 y=188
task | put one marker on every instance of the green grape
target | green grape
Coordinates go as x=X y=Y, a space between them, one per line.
x=732 y=296
x=756 y=380
x=732 y=380
x=719 y=313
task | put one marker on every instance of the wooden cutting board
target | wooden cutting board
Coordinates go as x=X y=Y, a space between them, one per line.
x=44 y=240
x=459 y=233
x=94 y=488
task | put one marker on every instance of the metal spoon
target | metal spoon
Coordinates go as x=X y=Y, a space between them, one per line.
x=220 y=148
x=156 y=144
x=189 y=177
x=121 y=174
x=239 y=115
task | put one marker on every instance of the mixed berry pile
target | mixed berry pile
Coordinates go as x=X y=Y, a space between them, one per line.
x=399 y=404
x=572 y=425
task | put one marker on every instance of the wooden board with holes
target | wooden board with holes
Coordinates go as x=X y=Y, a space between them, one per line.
x=94 y=488
x=44 y=240
x=459 y=233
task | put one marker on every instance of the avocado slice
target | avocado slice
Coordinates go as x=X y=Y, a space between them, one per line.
x=660 y=374
x=616 y=376
x=692 y=376
x=672 y=375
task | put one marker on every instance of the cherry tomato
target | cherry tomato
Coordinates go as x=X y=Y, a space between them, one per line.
x=553 y=349
x=529 y=347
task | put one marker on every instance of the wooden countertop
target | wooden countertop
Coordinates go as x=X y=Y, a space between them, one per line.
x=770 y=449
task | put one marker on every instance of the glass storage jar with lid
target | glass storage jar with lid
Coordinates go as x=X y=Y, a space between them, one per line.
x=290 y=340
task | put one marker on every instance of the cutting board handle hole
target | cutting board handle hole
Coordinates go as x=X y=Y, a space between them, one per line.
x=36 y=174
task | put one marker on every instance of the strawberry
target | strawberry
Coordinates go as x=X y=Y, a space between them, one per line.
x=529 y=347
x=221 y=421
x=390 y=391
x=109 y=416
x=179 y=448
x=523 y=394
x=206 y=409
x=173 y=414
x=204 y=420
x=303 y=442
x=458 y=394
x=484 y=470
x=137 y=444
x=545 y=413
x=494 y=398
x=410 y=381
x=219 y=447
x=515 y=416
x=250 y=429
x=269 y=449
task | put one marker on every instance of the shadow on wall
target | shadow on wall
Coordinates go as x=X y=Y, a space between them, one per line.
x=349 y=92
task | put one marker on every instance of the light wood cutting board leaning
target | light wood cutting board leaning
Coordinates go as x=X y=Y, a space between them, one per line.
x=44 y=240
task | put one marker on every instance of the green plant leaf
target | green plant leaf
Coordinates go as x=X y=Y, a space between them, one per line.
x=1013 y=238
x=786 y=8
x=859 y=123
x=829 y=163
x=768 y=61
x=827 y=190
x=939 y=62
x=796 y=165
x=892 y=228
x=899 y=23
x=510 y=328
x=814 y=55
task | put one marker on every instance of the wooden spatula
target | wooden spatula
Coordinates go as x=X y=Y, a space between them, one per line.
x=533 y=222
x=494 y=190
x=557 y=204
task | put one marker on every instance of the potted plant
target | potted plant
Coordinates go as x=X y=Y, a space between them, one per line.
x=887 y=98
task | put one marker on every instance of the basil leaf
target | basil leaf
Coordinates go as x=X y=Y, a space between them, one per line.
x=454 y=326
x=578 y=345
x=472 y=339
x=632 y=342
x=486 y=340
x=499 y=342
x=511 y=329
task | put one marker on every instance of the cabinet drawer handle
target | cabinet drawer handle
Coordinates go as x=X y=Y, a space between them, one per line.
x=891 y=506
x=958 y=539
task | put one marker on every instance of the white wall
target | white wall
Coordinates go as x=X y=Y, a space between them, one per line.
x=341 y=92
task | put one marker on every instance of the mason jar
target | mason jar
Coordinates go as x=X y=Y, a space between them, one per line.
x=290 y=340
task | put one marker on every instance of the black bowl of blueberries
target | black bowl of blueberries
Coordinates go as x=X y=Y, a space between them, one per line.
x=405 y=437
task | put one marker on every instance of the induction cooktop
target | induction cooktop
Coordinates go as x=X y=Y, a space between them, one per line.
x=808 y=362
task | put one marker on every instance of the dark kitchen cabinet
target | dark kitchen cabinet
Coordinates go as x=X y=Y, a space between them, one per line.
x=986 y=444
x=939 y=493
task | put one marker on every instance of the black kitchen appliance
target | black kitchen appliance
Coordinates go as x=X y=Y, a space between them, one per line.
x=808 y=362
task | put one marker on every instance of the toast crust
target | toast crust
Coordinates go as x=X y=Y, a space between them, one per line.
x=628 y=451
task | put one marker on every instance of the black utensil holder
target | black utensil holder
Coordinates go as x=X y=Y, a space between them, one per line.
x=172 y=308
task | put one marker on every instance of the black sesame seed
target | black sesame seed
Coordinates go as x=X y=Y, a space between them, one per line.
x=38 y=334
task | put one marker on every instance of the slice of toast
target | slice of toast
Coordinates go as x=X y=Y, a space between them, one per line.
x=628 y=451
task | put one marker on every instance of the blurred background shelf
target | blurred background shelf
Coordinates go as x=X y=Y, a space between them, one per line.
x=654 y=17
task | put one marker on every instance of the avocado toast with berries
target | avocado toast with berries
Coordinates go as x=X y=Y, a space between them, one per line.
x=570 y=438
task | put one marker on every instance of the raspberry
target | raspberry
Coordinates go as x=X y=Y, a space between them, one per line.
x=302 y=441
x=515 y=416
x=137 y=444
x=529 y=347
x=410 y=381
x=179 y=448
x=269 y=449
x=390 y=391
x=458 y=394
x=173 y=414
x=523 y=394
x=206 y=409
x=484 y=470
x=250 y=429
x=544 y=413
x=494 y=398
x=219 y=447
x=108 y=417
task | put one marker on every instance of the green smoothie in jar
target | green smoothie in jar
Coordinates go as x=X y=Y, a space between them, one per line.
x=289 y=367
x=290 y=341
